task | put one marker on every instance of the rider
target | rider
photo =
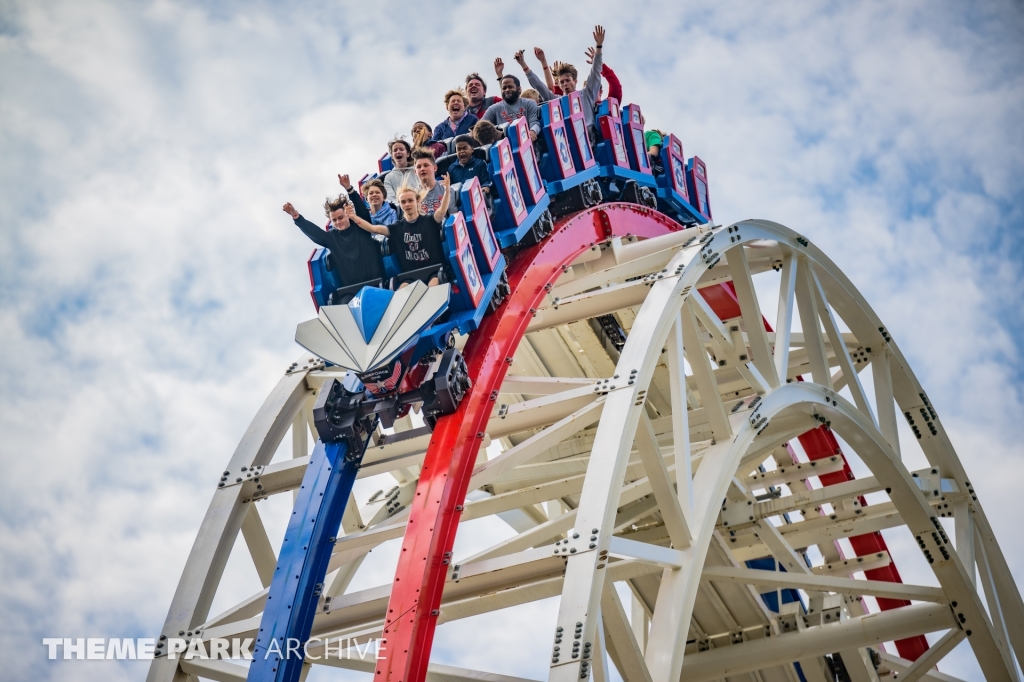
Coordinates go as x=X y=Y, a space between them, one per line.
x=355 y=251
x=565 y=76
x=416 y=239
x=476 y=89
x=513 y=106
x=403 y=172
x=459 y=121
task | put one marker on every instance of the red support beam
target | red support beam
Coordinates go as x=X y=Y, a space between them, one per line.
x=441 y=490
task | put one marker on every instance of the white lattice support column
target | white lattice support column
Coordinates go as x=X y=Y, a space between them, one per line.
x=661 y=484
x=965 y=543
x=885 y=403
x=707 y=387
x=835 y=338
x=753 y=322
x=263 y=556
x=814 y=343
x=784 y=316
x=936 y=652
x=591 y=535
x=205 y=565
x=680 y=419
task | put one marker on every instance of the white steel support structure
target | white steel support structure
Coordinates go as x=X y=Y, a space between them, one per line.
x=659 y=464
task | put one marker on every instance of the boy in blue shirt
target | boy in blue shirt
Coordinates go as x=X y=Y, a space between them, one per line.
x=468 y=165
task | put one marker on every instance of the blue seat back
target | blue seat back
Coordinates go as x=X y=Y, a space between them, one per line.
x=557 y=163
x=526 y=161
x=674 y=162
x=579 y=138
x=611 y=151
x=323 y=279
x=633 y=134
x=510 y=208
x=697 y=183
x=468 y=289
x=485 y=244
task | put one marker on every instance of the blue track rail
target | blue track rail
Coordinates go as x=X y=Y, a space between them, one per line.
x=302 y=565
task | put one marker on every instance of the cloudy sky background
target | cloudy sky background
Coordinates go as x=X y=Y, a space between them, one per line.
x=150 y=286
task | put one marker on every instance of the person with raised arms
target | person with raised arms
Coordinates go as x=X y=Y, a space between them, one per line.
x=565 y=76
x=415 y=238
x=355 y=251
x=513 y=106
x=614 y=85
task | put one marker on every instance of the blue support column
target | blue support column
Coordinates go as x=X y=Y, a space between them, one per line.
x=302 y=564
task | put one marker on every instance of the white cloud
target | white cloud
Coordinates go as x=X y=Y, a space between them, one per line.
x=151 y=286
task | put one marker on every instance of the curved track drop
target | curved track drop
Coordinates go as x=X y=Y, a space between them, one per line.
x=600 y=429
x=441 y=492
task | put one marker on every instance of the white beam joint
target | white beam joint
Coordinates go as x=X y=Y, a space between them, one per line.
x=645 y=552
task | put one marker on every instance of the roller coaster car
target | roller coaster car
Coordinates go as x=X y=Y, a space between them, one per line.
x=568 y=165
x=399 y=345
x=377 y=337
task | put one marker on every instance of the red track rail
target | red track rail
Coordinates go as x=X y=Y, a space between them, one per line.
x=441 y=491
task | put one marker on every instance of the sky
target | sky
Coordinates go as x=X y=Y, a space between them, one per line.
x=150 y=285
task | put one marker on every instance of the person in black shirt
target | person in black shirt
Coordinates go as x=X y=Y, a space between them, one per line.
x=416 y=239
x=356 y=253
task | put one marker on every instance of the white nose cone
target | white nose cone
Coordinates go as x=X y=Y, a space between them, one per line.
x=374 y=327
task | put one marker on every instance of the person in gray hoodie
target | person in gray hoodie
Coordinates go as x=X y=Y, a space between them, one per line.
x=403 y=173
x=565 y=75
x=512 y=106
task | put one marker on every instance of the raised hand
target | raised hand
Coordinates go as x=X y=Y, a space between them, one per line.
x=345 y=181
x=446 y=181
x=521 y=59
x=290 y=210
x=590 y=55
x=499 y=66
x=599 y=35
x=556 y=66
x=350 y=210
x=539 y=54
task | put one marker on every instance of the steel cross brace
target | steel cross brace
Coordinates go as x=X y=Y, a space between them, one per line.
x=819 y=444
x=302 y=565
